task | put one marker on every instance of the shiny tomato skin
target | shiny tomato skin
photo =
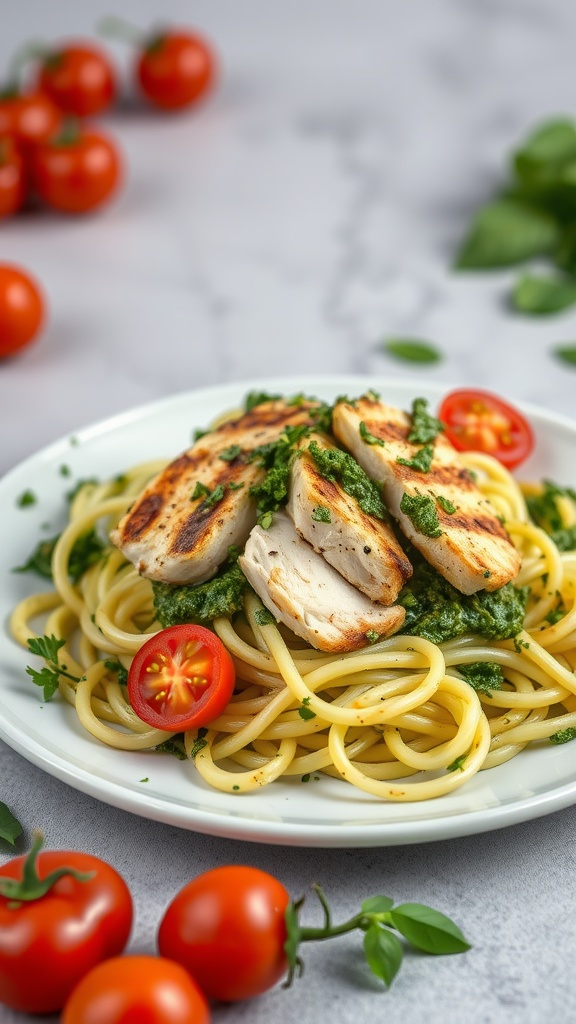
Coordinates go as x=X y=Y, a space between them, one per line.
x=22 y=309
x=227 y=928
x=30 y=118
x=48 y=944
x=136 y=990
x=12 y=177
x=79 y=78
x=77 y=176
x=480 y=421
x=194 y=684
x=175 y=70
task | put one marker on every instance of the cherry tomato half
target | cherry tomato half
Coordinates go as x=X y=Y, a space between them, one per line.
x=175 y=69
x=77 y=171
x=31 y=118
x=227 y=928
x=48 y=943
x=181 y=678
x=79 y=78
x=136 y=990
x=21 y=309
x=12 y=177
x=481 y=422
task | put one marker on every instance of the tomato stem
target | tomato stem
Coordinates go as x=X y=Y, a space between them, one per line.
x=31 y=887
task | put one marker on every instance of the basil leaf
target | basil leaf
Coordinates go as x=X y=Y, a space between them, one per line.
x=411 y=350
x=383 y=953
x=567 y=353
x=546 y=152
x=10 y=827
x=377 y=905
x=539 y=295
x=504 y=233
x=428 y=929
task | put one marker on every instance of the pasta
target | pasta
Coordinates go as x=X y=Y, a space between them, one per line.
x=398 y=719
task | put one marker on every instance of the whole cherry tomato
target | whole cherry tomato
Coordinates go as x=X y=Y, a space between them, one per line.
x=181 y=678
x=78 y=171
x=136 y=990
x=175 y=69
x=79 y=78
x=31 y=118
x=227 y=928
x=481 y=422
x=61 y=913
x=12 y=177
x=21 y=309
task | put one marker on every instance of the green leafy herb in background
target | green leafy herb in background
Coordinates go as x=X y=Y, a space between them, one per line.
x=411 y=350
x=10 y=827
x=566 y=353
x=534 y=218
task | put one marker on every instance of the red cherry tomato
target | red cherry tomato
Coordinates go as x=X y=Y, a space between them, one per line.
x=482 y=422
x=77 y=172
x=31 y=118
x=175 y=69
x=136 y=990
x=21 y=309
x=48 y=943
x=181 y=678
x=227 y=928
x=79 y=78
x=12 y=178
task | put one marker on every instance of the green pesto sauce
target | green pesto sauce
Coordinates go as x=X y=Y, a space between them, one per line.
x=424 y=426
x=421 y=510
x=203 y=602
x=421 y=461
x=438 y=612
x=482 y=676
x=342 y=468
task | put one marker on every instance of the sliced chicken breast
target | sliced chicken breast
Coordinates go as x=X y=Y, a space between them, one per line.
x=435 y=500
x=180 y=528
x=303 y=591
x=361 y=547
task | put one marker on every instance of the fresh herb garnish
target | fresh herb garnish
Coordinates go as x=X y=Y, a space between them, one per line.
x=563 y=735
x=566 y=354
x=276 y=459
x=86 y=551
x=542 y=295
x=48 y=678
x=506 y=232
x=210 y=498
x=304 y=711
x=458 y=764
x=26 y=499
x=340 y=467
x=113 y=665
x=199 y=742
x=321 y=514
x=446 y=505
x=230 y=453
x=201 y=603
x=483 y=676
x=263 y=617
x=10 y=827
x=424 y=427
x=412 y=350
x=254 y=398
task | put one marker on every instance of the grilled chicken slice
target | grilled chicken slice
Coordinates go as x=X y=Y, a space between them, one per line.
x=438 y=507
x=304 y=592
x=361 y=547
x=180 y=528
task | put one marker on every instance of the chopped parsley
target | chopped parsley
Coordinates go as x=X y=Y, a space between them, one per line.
x=543 y=507
x=421 y=511
x=421 y=461
x=321 y=514
x=304 y=711
x=338 y=466
x=458 y=764
x=199 y=742
x=210 y=497
x=87 y=549
x=48 y=647
x=372 y=636
x=369 y=438
x=276 y=458
x=26 y=499
x=234 y=486
x=424 y=426
x=230 y=453
x=113 y=665
x=174 y=746
x=254 y=398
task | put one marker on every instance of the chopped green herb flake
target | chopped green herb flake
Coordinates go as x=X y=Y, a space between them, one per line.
x=424 y=427
x=65 y=471
x=263 y=617
x=304 y=711
x=458 y=764
x=26 y=498
x=372 y=636
x=421 y=511
x=234 y=486
x=566 y=354
x=446 y=505
x=145 y=780
x=198 y=433
x=338 y=466
x=199 y=742
x=113 y=665
x=235 y=788
x=230 y=453
x=321 y=514
x=173 y=746
x=368 y=437
x=200 y=491
x=254 y=398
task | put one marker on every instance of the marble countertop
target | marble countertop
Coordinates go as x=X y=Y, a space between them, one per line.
x=309 y=209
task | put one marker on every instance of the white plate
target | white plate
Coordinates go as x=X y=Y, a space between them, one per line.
x=322 y=812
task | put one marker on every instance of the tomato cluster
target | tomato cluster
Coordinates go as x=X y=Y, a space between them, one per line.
x=47 y=149
x=66 y=917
